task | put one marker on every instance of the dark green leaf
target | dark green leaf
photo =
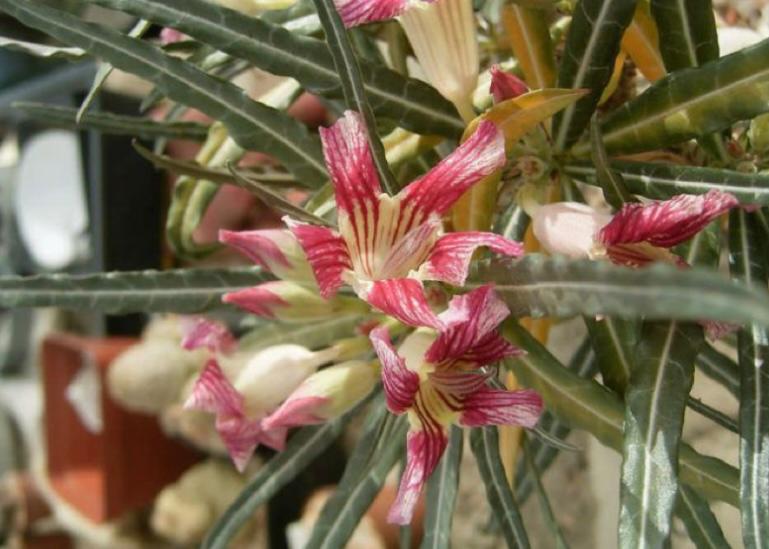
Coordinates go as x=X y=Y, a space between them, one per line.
x=614 y=341
x=348 y=69
x=654 y=415
x=409 y=103
x=716 y=416
x=614 y=190
x=312 y=335
x=662 y=181
x=592 y=45
x=179 y=291
x=539 y=286
x=301 y=449
x=375 y=454
x=485 y=444
x=441 y=494
x=720 y=368
x=687 y=31
x=691 y=103
x=547 y=510
x=584 y=365
x=747 y=260
x=216 y=175
x=585 y=404
x=64 y=117
x=105 y=70
x=274 y=200
x=252 y=125
x=699 y=520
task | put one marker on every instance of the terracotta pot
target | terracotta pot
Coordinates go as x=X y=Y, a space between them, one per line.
x=120 y=467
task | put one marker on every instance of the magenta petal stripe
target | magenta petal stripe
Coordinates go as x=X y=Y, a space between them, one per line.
x=499 y=407
x=214 y=393
x=457 y=384
x=424 y=449
x=449 y=260
x=240 y=437
x=349 y=161
x=259 y=300
x=258 y=246
x=404 y=299
x=400 y=383
x=411 y=250
x=357 y=12
x=327 y=253
x=469 y=319
x=666 y=223
x=201 y=333
x=441 y=187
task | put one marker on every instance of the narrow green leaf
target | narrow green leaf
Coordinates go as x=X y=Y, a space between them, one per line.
x=614 y=341
x=547 y=510
x=300 y=451
x=585 y=404
x=252 y=125
x=485 y=444
x=592 y=44
x=699 y=520
x=720 y=368
x=64 y=117
x=176 y=291
x=274 y=200
x=716 y=416
x=374 y=456
x=583 y=364
x=539 y=286
x=349 y=72
x=687 y=30
x=614 y=190
x=105 y=69
x=194 y=170
x=662 y=181
x=312 y=335
x=410 y=103
x=691 y=103
x=442 y=493
x=654 y=415
x=42 y=50
x=747 y=260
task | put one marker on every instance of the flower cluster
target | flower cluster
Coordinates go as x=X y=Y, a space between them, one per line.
x=380 y=255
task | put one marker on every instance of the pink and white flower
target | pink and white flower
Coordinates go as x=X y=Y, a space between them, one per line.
x=442 y=34
x=387 y=245
x=250 y=389
x=325 y=395
x=436 y=379
x=636 y=235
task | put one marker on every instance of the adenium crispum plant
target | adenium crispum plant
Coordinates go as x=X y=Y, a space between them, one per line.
x=487 y=169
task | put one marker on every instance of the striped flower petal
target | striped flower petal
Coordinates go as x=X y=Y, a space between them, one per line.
x=201 y=333
x=403 y=299
x=488 y=406
x=214 y=393
x=424 y=449
x=358 y=12
x=327 y=253
x=240 y=437
x=470 y=330
x=400 y=383
x=438 y=190
x=667 y=223
x=275 y=250
x=449 y=260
